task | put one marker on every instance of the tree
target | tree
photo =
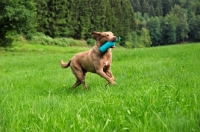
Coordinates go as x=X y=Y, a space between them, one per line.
x=51 y=16
x=194 y=25
x=18 y=15
x=136 y=5
x=73 y=19
x=146 y=7
x=85 y=20
x=197 y=36
x=124 y=16
x=128 y=21
x=169 y=30
x=180 y=19
x=119 y=15
x=145 y=37
x=158 y=8
x=98 y=17
x=154 y=27
x=197 y=7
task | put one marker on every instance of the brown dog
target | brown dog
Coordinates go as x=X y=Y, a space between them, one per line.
x=93 y=60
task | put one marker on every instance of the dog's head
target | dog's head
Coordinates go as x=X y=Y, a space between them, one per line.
x=103 y=37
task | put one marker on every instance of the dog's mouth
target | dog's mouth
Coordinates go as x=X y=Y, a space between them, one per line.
x=109 y=41
x=113 y=46
x=113 y=40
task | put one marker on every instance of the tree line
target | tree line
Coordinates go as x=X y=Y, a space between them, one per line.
x=140 y=23
x=168 y=21
x=67 y=18
x=77 y=18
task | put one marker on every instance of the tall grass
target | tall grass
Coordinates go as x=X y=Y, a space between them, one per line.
x=158 y=90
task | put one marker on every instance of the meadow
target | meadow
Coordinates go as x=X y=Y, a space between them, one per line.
x=158 y=90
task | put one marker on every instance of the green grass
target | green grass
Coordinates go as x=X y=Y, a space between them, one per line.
x=158 y=90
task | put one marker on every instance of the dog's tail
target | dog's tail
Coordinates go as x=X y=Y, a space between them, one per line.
x=65 y=65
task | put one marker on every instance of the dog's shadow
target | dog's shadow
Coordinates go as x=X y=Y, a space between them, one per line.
x=65 y=91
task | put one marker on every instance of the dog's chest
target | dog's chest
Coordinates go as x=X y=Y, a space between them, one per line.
x=107 y=59
x=106 y=63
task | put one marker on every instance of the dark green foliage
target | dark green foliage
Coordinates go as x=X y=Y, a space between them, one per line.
x=18 y=15
x=194 y=26
x=180 y=16
x=169 y=29
x=51 y=17
x=153 y=7
x=78 y=18
x=166 y=21
x=98 y=17
x=145 y=37
x=169 y=32
x=85 y=21
x=197 y=36
x=91 y=41
x=154 y=26
x=124 y=18
x=140 y=37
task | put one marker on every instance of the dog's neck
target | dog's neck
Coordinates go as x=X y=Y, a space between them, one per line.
x=98 y=44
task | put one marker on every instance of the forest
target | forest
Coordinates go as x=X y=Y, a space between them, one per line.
x=141 y=23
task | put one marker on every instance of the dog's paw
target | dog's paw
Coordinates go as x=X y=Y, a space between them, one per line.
x=113 y=83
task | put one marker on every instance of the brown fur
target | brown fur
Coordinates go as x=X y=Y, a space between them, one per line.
x=92 y=61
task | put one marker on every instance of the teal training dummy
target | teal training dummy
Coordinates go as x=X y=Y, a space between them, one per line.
x=108 y=45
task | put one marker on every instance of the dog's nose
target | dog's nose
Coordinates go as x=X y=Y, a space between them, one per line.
x=114 y=38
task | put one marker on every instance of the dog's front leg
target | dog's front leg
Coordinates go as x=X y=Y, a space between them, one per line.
x=104 y=75
x=109 y=73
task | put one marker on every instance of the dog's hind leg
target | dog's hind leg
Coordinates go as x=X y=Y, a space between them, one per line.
x=84 y=84
x=80 y=75
x=83 y=80
x=78 y=82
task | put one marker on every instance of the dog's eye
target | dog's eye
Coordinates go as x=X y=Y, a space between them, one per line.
x=107 y=35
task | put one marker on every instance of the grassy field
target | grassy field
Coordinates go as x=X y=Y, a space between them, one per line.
x=158 y=91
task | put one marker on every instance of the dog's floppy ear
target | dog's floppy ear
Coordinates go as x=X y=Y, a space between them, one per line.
x=96 y=34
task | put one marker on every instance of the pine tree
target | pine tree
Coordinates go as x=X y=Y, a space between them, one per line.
x=98 y=17
x=110 y=18
x=78 y=18
x=124 y=17
x=197 y=3
x=159 y=8
x=51 y=17
x=136 y=5
x=169 y=30
x=145 y=7
x=194 y=26
x=42 y=15
x=154 y=27
x=85 y=20
x=73 y=19
x=180 y=17
x=118 y=14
